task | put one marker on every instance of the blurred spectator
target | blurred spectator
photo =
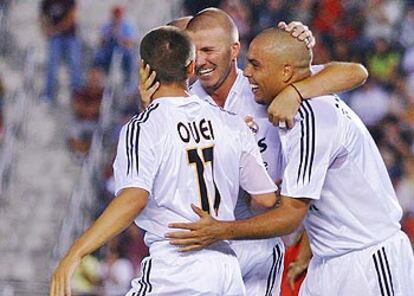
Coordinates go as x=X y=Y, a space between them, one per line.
x=408 y=227
x=2 y=94
x=117 y=271
x=58 y=22
x=392 y=163
x=86 y=105
x=87 y=101
x=407 y=28
x=4 y=8
x=384 y=62
x=370 y=102
x=405 y=188
x=80 y=138
x=302 y=11
x=272 y=12
x=241 y=16
x=192 y=7
x=382 y=17
x=118 y=36
x=402 y=102
x=328 y=14
x=408 y=60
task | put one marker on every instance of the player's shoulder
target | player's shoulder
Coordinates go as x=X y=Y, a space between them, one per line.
x=146 y=119
x=320 y=114
x=322 y=106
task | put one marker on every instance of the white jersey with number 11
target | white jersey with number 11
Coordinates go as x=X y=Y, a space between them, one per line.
x=183 y=151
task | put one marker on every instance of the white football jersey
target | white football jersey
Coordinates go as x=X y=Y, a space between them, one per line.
x=332 y=159
x=241 y=100
x=184 y=151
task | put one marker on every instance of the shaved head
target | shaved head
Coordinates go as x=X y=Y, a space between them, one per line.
x=214 y=18
x=283 y=47
x=275 y=59
x=181 y=23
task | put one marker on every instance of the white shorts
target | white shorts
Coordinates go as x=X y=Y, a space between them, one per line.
x=210 y=272
x=261 y=264
x=384 y=269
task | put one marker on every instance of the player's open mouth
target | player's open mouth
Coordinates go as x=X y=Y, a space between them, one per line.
x=254 y=87
x=206 y=71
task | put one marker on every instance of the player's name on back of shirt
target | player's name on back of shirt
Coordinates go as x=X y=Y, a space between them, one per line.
x=195 y=131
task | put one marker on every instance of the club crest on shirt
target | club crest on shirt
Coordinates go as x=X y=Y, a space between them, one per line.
x=254 y=127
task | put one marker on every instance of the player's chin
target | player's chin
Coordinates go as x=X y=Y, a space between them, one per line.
x=259 y=99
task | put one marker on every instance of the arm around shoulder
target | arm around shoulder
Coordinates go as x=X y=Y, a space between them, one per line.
x=334 y=77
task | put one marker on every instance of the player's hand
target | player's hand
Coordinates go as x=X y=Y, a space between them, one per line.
x=198 y=235
x=147 y=87
x=284 y=107
x=299 y=31
x=295 y=270
x=60 y=284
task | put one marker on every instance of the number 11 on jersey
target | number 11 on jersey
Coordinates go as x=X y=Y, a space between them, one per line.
x=208 y=156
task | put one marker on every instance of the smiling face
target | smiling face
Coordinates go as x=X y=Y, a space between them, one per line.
x=215 y=58
x=264 y=71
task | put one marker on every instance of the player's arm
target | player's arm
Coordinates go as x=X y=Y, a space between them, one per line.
x=334 y=77
x=117 y=216
x=276 y=222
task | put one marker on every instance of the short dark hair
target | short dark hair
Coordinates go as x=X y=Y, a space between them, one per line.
x=168 y=51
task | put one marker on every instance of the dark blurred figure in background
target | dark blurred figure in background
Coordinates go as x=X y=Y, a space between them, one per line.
x=87 y=100
x=118 y=35
x=86 y=106
x=2 y=95
x=59 y=25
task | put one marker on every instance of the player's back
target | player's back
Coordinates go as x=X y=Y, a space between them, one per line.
x=339 y=166
x=186 y=151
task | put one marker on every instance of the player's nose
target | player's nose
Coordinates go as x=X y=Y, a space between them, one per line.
x=247 y=71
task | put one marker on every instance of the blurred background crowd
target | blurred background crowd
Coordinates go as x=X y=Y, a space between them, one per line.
x=376 y=33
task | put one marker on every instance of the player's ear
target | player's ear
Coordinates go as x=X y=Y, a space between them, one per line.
x=235 y=50
x=287 y=73
x=191 y=69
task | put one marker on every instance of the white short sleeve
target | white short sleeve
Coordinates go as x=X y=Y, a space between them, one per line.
x=135 y=164
x=254 y=178
x=308 y=148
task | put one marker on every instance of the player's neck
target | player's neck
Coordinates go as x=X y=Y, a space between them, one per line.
x=300 y=75
x=220 y=94
x=171 y=90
